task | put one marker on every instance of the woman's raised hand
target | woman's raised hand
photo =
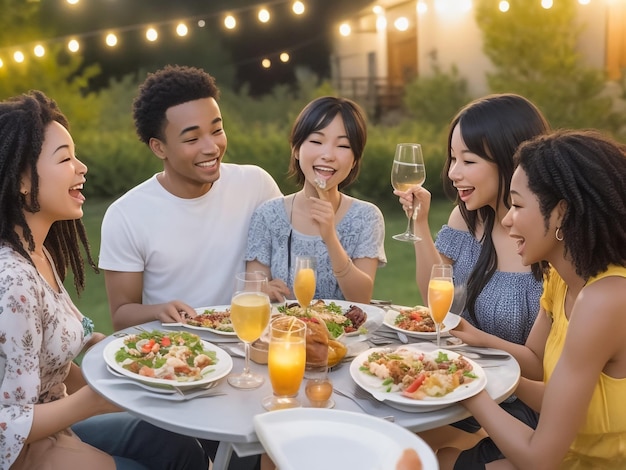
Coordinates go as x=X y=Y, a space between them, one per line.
x=415 y=195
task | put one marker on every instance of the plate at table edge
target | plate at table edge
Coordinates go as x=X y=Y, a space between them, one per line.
x=386 y=440
x=451 y=321
x=396 y=400
x=199 y=311
x=222 y=368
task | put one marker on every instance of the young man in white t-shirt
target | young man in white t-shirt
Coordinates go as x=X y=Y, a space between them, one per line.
x=175 y=241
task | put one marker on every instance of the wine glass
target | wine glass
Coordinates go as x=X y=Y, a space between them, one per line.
x=286 y=360
x=408 y=170
x=304 y=280
x=250 y=314
x=440 y=295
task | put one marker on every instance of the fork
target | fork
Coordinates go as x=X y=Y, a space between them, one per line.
x=355 y=397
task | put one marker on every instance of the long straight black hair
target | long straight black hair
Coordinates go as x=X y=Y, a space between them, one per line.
x=492 y=128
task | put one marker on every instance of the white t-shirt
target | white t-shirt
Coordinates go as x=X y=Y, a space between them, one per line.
x=187 y=249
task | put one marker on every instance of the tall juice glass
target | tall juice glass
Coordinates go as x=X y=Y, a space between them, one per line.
x=304 y=280
x=250 y=314
x=285 y=362
x=440 y=295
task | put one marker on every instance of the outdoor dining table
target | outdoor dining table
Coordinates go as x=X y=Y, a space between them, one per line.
x=228 y=418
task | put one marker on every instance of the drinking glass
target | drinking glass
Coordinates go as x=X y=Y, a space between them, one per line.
x=285 y=362
x=407 y=171
x=318 y=387
x=304 y=280
x=440 y=295
x=250 y=314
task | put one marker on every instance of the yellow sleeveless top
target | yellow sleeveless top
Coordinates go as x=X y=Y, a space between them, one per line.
x=601 y=441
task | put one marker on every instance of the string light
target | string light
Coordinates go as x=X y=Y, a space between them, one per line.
x=111 y=40
x=264 y=15
x=152 y=34
x=230 y=22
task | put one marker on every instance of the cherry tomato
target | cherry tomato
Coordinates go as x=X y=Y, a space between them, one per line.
x=417 y=383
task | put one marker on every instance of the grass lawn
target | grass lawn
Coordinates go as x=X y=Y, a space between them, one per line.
x=395 y=282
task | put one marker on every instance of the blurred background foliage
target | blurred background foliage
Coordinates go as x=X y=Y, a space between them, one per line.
x=537 y=62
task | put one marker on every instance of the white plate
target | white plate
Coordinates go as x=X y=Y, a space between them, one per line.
x=373 y=385
x=215 y=372
x=199 y=311
x=449 y=323
x=375 y=316
x=313 y=438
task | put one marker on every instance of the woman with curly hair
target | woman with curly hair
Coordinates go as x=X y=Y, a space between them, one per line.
x=42 y=391
x=569 y=213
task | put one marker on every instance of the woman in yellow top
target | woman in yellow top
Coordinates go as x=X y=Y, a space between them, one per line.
x=569 y=212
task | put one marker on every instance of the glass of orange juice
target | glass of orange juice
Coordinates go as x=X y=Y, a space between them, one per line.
x=304 y=280
x=250 y=314
x=440 y=295
x=285 y=362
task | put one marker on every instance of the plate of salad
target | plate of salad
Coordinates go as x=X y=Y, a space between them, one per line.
x=168 y=358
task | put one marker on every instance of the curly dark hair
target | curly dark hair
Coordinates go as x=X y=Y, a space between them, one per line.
x=318 y=114
x=587 y=170
x=492 y=127
x=23 y=121
x=170 y=86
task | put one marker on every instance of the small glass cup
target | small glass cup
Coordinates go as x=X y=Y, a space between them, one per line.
x=286 y=359
x=318 y=388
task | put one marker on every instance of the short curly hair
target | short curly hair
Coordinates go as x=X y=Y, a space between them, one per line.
x=170 y=86
x=587 y=170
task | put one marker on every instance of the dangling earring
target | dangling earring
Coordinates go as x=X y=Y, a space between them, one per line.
x=558 y=235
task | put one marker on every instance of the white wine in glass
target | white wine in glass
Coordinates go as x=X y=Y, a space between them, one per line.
x=408 y=171
x=250 y=315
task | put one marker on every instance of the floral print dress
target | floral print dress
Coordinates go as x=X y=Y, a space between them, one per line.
x=41 y=332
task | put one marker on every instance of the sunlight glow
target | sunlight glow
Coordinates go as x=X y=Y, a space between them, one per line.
x=401 y=24
x=381 y=23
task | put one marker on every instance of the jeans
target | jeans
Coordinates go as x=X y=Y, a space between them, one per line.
x=138 y=445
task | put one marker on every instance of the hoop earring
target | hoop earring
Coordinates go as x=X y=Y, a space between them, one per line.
x=558 y=234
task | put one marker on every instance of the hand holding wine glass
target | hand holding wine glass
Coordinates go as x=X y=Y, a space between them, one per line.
x=440 y=295
x=250 y=314
x=408 y=171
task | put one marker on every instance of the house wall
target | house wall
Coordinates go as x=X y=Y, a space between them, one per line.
x=455 y=38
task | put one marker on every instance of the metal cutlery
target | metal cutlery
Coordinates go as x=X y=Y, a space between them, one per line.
x=171 y=393
x=355 y=397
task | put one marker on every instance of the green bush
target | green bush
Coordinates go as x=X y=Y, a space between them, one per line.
x=436 y=98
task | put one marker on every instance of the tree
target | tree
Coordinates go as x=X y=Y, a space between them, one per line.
x=534 y=53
